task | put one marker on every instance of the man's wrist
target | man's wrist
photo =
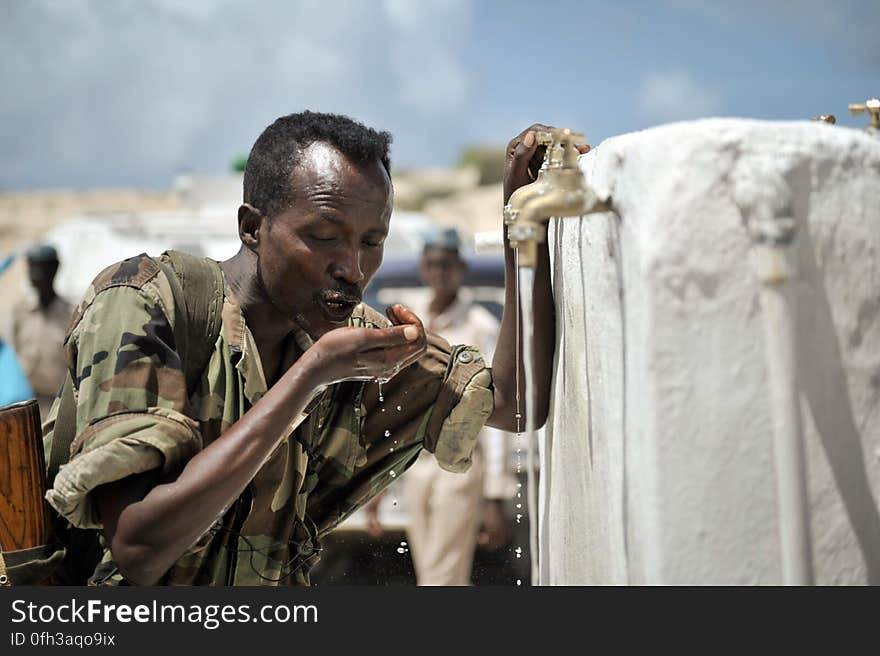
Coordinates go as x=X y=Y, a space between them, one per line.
x=311 y=369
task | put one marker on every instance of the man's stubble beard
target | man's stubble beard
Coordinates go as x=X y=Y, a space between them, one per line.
x=297 y=318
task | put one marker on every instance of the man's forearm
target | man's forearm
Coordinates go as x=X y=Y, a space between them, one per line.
x=150 y=534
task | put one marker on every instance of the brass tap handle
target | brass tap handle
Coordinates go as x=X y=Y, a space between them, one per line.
x=561 y=136
x=561 y=147
x=544 y=138
x=871 y=107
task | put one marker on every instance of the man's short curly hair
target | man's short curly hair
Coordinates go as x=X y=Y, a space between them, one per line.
x=276 y=152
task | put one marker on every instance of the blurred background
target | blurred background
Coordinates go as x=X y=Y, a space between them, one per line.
x=124 y=125
x=138 y=105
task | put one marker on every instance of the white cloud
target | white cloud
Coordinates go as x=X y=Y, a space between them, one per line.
x=128 y=92
x=675 y=96
x=426 y=58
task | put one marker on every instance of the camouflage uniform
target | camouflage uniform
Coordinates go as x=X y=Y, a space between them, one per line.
x=133 y=415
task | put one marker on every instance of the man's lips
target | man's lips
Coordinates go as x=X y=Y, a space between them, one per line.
x=336 y=306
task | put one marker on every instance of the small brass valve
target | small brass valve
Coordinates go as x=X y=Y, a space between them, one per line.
x=561 y=145
x=870 y=107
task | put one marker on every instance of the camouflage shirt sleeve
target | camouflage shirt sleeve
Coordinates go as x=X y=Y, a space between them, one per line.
x=463 y=406
x=130 y=392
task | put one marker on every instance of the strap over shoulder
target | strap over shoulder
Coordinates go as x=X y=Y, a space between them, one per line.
x=197 y=286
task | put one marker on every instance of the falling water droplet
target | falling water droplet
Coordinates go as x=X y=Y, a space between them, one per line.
x=401 y=550
x=519 y=581
x=519 y=506
x=381 y=398
x=399 y=408
x=403 y=543
x=394 y=502
x=388 y=434
x=518 y=517
x=392 y=474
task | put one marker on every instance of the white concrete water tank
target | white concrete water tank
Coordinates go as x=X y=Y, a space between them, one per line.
x=658 y=463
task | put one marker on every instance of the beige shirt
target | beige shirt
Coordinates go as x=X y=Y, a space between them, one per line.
x=467 y=322
x=38 y=339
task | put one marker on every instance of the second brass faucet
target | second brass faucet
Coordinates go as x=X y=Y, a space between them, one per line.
x=871 y=107
x=559 y=190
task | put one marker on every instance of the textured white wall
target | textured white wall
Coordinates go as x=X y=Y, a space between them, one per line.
x=658 y=457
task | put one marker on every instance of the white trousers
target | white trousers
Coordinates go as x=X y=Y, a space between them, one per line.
x=444 y=516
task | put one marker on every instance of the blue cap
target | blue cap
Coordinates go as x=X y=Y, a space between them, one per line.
x=447 y=238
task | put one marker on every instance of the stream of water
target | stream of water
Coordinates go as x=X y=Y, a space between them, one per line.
x=526 y=280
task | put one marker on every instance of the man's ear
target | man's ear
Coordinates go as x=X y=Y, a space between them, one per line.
x=250 y=226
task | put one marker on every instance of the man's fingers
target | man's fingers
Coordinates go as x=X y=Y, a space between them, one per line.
x=583 y=149
x=400 y=314
x=381 y=353
x=403 y=334
x=523 y=153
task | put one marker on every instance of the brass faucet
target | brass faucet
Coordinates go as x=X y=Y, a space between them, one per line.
x=559 y=190
x=872 y=108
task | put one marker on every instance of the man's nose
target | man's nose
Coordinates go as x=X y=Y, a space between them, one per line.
x=348 y=267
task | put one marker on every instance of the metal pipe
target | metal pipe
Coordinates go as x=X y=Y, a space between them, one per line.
x=775 y=267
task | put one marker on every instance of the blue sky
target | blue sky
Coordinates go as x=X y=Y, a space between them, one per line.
x=132 y=92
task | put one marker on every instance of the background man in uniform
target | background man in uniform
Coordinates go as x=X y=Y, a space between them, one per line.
x=448 y=512
x=39 y=322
